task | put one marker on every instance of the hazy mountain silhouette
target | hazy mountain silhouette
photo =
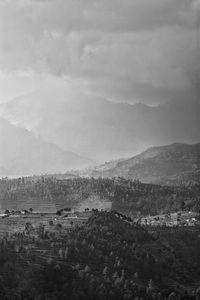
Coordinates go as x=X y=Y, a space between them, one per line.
x=101 y=129
x=21 y=153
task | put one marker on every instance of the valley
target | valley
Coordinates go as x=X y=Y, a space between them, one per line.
x=99 y=150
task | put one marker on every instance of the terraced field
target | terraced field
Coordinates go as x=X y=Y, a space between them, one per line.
x=16 y=223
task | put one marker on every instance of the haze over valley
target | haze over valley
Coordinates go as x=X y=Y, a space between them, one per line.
x=81 y=130
x=92 y=82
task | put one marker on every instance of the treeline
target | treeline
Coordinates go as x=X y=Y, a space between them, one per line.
x=127 y=196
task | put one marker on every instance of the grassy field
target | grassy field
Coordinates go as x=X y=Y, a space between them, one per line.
x=16 y=223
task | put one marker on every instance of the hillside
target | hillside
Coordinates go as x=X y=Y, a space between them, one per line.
x=173 y=164
x=99 y=169
x=22 y=153
x=108 y=257
x=129 y=197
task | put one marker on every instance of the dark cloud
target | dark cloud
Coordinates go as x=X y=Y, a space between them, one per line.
x=119 y=15
x=128 y=50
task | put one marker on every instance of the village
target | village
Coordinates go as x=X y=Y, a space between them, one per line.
x=12 y=221
x=180 y=218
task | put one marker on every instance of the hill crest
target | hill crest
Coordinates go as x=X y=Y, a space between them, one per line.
x=172 y=163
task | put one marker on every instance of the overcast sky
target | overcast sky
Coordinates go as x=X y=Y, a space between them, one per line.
x=124 y=50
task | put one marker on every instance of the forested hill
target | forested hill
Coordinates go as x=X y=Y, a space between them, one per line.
x=107 y=258
x=126 y=196
x=173 y=164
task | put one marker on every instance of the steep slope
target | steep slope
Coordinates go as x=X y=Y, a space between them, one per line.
x=100 y=129
x=88 y=172
x=175 y=163
x=21 y=153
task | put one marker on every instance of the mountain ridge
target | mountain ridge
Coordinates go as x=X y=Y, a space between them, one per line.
x=98 y=128
x=169 y=164
x=23 y=153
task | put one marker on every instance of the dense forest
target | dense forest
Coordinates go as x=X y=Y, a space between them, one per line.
x=107 y=258
x=127 y=196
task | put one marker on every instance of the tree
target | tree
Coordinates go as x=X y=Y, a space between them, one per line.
x=182 y=205
x=41 y=231
x=67 y=209
x=28 y=227
x=51 y=223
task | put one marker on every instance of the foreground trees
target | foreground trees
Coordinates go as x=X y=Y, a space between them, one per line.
x=107 y=258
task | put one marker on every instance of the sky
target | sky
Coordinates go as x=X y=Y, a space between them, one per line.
x=122 y=50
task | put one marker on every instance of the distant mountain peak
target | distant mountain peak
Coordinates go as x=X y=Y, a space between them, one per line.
x=98 y=128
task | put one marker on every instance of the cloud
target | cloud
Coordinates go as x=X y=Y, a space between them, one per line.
x=124 y=50
x=115 y=15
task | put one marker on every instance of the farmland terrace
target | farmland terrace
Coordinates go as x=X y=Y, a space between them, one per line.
x=15 y=222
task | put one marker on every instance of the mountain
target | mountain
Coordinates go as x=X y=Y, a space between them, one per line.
x=21 y=153
x=100 y=129
x=99 y=169
x=175 y=163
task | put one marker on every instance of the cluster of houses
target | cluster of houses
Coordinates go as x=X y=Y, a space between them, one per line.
x=171 y=219
x=63 y=213
x=8 y=212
